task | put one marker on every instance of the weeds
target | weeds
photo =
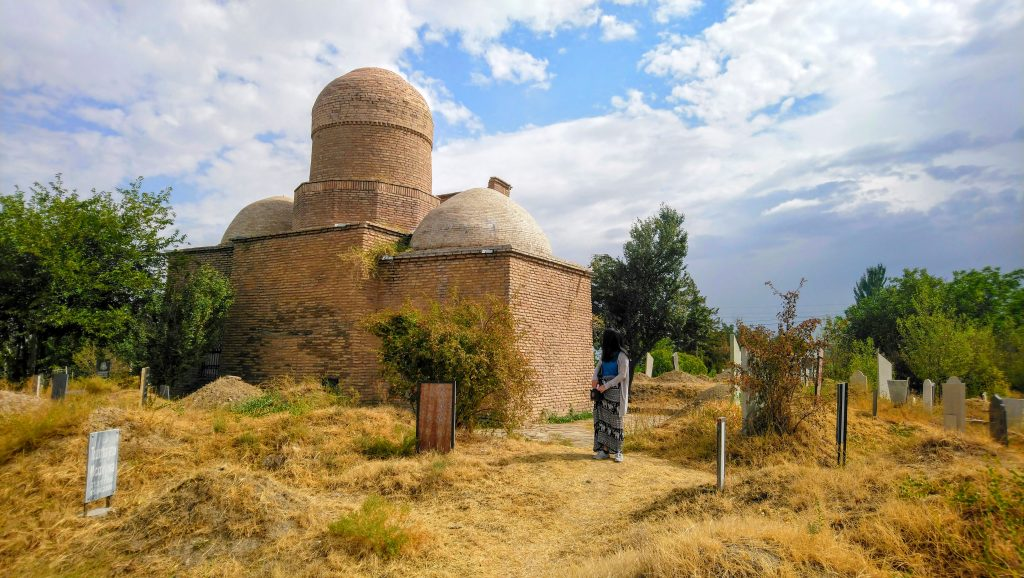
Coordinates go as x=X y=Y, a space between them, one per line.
x=382 y=448
x=268 y=404
x=377 y=527
x=28 y=431
x=570 y=417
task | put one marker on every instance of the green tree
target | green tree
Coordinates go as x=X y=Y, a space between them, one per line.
x=189 y=323
x=639 y=294
x=935 y=346
x=697 y=333
x=78 y=269
x=988 y=297
x=870 y=283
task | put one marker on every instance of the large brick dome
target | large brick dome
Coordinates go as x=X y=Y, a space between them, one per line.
x=264 y=217
x=480 y=218
x=372 y=125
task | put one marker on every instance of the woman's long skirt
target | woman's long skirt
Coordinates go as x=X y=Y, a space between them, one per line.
x=608 y=422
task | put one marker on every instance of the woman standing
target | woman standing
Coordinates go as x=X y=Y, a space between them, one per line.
x=610 y=392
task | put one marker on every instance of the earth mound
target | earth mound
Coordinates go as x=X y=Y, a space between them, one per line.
x=224 y=391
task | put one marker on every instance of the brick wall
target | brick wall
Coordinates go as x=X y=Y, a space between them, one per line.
x=326 y=203
x=552 y=302
x=371 y=152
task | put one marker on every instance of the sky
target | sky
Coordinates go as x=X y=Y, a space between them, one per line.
x=800 y=139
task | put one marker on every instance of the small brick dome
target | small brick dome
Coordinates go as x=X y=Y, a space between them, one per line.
x=264 y=217
x=371 y=96
x=480 y=218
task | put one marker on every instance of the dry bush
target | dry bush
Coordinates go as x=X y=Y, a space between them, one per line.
x=25 y=432
x=93 y=384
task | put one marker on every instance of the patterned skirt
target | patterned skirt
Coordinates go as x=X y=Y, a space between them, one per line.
x=607 y=422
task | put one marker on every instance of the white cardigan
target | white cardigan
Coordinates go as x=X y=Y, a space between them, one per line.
x=621 y=379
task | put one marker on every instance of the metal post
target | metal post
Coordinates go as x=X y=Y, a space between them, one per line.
x=721 y=453
x=842 y=405
x=874 y=402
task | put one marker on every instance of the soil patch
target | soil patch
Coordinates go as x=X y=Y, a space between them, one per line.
x=13 y=402
x=223 y=392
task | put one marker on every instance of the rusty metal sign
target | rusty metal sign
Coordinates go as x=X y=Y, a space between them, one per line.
x=435 y=418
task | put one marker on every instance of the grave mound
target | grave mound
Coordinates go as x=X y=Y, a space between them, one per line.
x=13 y=402
x=223 y=392
x=683 y=378
x=721 y=391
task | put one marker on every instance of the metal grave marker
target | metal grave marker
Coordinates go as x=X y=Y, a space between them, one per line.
x=435 y=418
x=103 y=368
x=997 y=420
x=101 y=469
x=58 y=386
x=842 y=413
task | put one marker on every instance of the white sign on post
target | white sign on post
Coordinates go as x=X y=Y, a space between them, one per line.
x=101 y=467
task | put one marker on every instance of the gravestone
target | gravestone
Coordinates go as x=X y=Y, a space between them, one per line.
x=954 y=404
x=143 y=385
x=997 y=420
x=103 y=368
x=435 y=418
x=165 y=391
x=101 y=468
x=744 y=359
x=819 y=371
x=859 y=381
x=734 y=350
x=675 y=361
x=649 y=370
x=899 y=390
x=928 y=394
x=58 y=386
x=39 y=385
x=884 y=375
x=984 y=396
x=1014 y=412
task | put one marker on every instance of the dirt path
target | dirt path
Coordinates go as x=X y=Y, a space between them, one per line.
x=580 y=434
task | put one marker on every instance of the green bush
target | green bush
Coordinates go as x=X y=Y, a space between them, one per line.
x=692 y=364
x=375 y=528
x=662 y=354
x=472 y=343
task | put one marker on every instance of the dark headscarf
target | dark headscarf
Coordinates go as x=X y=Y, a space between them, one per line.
x=611 y=345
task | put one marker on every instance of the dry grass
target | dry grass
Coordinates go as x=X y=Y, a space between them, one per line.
x=220 y=493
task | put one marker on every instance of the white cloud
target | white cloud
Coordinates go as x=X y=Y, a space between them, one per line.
x=793 y=205
x=517 y=66
x=613 y=29
x=669 y=9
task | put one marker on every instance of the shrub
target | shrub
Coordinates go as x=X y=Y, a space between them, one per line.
x=692 y=364
x=473 y=343
x=773 y=378
x=662 y=354
x=377 y=527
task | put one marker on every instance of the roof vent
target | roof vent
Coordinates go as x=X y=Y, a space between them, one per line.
x=499 y=185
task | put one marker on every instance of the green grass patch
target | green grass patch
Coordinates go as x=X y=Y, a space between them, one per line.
x=383 y=448
x=570 y=417
x=377 y=527
x=270 y=403
x=25 y=432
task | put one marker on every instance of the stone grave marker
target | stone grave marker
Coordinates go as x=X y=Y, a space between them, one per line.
x=101 y=469
x=859 y=381
x=734 y=350
x=675 y=361
x=143 y=385
x=928 y=394
x=649 y=370
x=899 y=390
x=58 y=386
x=165 y=391
x=103 y=368
x=435 y=418
x=744 y=359
x=997 y=420
x=39 y=385
x=954 y=404
x=884 y=375
x=819 y=371
x=1014 y=412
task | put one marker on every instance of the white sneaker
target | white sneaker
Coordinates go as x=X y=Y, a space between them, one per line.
x=618 y=457
x=600 y=455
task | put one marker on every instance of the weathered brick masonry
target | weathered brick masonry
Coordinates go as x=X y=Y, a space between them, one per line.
x=300 y=296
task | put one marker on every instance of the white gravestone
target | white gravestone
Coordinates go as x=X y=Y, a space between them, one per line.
x=101 y=467
x=39 y=385
x=744 y=359
x=884 y=375
x=1014 y=412
x=734 y=350
x=954 y=404
x=899 y=390
x=928 y=393
x=675 y=361
x=649 y=370
x=858 y=381
x=143 y=385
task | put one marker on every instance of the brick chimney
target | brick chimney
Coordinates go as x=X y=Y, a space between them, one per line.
x=499 y=185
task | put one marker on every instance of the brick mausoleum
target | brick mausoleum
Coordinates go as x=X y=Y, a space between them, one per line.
x=299 y=301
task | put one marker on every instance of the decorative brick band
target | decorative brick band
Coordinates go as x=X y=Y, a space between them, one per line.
x=373 y=186
x=373 y=123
